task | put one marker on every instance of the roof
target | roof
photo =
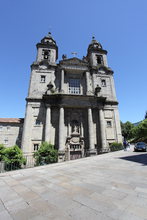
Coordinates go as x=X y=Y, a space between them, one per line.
x=11 y=120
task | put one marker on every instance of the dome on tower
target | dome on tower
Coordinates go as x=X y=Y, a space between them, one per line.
x=47 y=45
x=94 y=44
x=48 y=39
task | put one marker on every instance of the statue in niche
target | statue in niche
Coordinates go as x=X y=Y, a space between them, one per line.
x=50 y=88
x=75 y=127
x=97 y=90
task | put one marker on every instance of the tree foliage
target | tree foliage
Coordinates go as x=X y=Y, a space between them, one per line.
x=127 y=130
x=135 y=133
x=1 y=151
x=46 y=154
x=145 y=117
x=140 y=131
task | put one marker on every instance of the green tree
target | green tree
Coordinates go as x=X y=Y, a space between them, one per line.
x=145 y=117
x=127 y=130
x=140 y=131
x=13 y=157
x=46 y=154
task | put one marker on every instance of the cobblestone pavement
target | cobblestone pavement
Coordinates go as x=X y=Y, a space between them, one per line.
x=105 y=187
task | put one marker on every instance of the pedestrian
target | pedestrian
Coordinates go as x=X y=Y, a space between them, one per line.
x=125 y=144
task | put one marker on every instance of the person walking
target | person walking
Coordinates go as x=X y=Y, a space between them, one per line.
x=125 y=143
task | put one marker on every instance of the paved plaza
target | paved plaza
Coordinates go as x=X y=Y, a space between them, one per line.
x=105 y=187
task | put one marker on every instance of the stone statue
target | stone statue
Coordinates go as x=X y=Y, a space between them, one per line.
x=97 y=90
x=64 y=56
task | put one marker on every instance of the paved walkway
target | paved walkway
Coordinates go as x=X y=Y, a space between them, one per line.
x=105 y=187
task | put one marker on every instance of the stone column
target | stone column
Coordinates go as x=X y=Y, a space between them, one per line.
x=92 y=150
x=61 y=135
x=87 y=83
x=62 y=81
x=48 y=124
x=103 y=131
x=81 y=132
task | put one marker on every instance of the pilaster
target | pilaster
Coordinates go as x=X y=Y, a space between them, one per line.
x=62 y=81
x=103 y=131
x=27 y=131
x=118 y=127
x=88 y=92
x=48 y=124
x=92 y=150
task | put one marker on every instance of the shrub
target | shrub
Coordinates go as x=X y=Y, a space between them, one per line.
x=2 y=148
x=116 y=146
x=13 y=157
x=46 y=154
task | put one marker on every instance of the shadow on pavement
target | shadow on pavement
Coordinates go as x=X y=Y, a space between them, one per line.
x=139 y=158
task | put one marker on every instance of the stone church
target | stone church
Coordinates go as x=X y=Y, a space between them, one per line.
x=71 y=104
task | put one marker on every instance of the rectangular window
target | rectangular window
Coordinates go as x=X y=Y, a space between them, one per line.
x=74 y=86
x=103 y=82
x=36 y=147
x=8 y=128
x=37 y=122
x=42 y=80
x=109 y=124
x=6 y=141
x=1 y=128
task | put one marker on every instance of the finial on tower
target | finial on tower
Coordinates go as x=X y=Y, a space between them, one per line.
x=49 y=34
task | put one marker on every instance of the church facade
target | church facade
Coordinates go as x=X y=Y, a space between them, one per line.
x=71 y=104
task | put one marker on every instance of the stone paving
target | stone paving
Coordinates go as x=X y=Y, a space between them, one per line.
x=107 y=187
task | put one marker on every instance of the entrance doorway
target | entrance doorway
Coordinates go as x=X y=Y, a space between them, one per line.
x=75 y=151
x=75 y=155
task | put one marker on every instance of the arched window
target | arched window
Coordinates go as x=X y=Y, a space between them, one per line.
x=103 y=82
x=99 y=59
x=46 y=54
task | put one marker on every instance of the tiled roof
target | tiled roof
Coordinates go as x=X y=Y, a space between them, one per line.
x=11 y=120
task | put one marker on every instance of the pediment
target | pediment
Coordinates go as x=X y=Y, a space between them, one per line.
x=73 y=61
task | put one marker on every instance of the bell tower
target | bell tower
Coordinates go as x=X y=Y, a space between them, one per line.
x=41 y=79
x=96 y=54
x=47 y=50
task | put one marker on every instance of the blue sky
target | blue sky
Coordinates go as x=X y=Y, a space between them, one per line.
x=120 y=26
